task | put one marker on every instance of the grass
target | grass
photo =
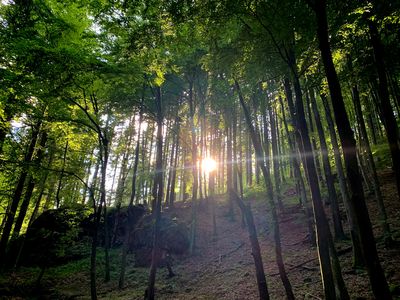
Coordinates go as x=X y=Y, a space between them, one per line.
x=382 y=156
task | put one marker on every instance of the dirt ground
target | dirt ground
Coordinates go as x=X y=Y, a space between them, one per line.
x=223 y=268
x=223 y=265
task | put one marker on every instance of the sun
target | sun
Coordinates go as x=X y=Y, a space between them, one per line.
x=208 y=164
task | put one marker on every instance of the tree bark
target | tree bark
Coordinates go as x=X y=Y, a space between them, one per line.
x=158 y=181
x=255 y=248
x=370 y=160
x=275 y=157
x=130 y=220
x=358 y=260
x=194 y=171
x=337 y=223
x=255 y=137
x=389 y=121
x=17 y=195
x=357 y=202
x=175 y=165
x=299 y=158
x=61 y=175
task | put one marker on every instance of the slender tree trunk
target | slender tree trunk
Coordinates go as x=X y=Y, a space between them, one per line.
x=103 y=202
x=130 y=220
x=171 y=164
x=358 y=260
x=249 y=162
x=93 y=251
x=371 y=163
x=322 y=226
x=266 y=141
x=371 y=124
x=281 y=146
x=175 y=165
x=255 y=136
x=337 y=223
x=194 y=171
x=35 y=212
x=229 y=173
x=29 y=188
x=275 y=158
x=234 y=152
x=23 y=207
x=155 y=257
x=240 y=162
x=357 y=202
x=313 y=140
x=300 y=157
x=88 y=170
x=60 y=178
x=255 y=248
x=17 y=195
x=389 y=121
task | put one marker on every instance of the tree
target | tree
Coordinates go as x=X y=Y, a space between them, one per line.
x=357 y=201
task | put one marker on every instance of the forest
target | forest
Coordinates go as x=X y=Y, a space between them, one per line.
x=186 y=149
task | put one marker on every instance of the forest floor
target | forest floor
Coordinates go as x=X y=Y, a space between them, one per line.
x=222 y=267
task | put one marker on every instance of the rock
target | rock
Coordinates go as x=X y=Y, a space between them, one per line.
x=51 y=237
x=174 y=239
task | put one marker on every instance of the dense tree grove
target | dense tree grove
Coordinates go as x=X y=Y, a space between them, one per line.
x=113 y=104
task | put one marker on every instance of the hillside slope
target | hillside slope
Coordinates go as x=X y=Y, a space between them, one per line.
x=222 y=267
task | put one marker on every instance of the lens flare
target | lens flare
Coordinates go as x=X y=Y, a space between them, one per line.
x=208 y=164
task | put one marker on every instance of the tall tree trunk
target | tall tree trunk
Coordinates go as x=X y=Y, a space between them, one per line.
x=249 y=162
x=103 y=198
x=60 y=178
x=24 y=206
x=229 y=169
x=313 y=140
x=281 y=147
x=357 y=201
x=42 y=186
x=275 y=157
x=234 y=152
x=130 y=220
x=337 y=223
x=175 y=165
x=194 y=171
x=300 y=157
x=358 y=260
x=158 y=181
x=88 y=171
x=29 y=187
x=371 y=123
x=389 y=121
x=255 y=137
x=322 y=226
x=255 y=248
x=17 y=195
x=170 y=171
x=93 y=250
x=371 y=163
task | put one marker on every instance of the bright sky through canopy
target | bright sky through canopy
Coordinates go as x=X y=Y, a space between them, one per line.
x=208 y=164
